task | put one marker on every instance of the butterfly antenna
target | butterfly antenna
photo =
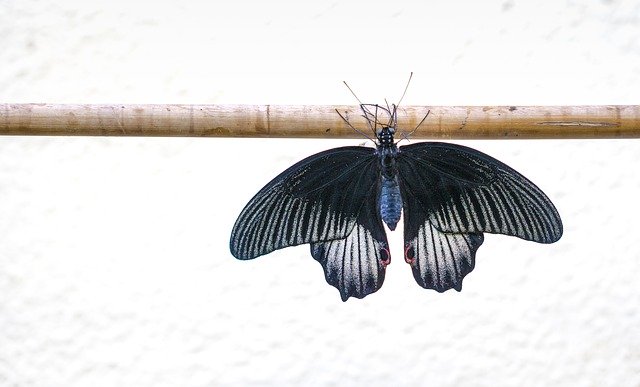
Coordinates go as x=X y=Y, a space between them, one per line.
x=393 y=113
x=388 y=107
x=394 y=117
x=405 y=89
x=353 y=127
x=366 y=113
x=352 y=93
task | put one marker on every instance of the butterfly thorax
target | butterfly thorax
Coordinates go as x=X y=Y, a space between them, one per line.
x=389 y=199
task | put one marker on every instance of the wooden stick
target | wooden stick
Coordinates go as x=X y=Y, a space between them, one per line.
x=444 y=122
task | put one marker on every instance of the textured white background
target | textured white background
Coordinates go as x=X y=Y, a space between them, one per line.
x=114 y=261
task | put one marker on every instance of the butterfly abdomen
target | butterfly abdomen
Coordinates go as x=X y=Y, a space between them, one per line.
x=390 y=201
x=390 y=198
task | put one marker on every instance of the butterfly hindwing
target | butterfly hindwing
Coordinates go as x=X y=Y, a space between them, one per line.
x=316 y=199
x=463 y=190
x=438 y=260
x=356 y=264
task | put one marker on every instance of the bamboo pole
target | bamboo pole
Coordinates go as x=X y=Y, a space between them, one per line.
x=444 y=122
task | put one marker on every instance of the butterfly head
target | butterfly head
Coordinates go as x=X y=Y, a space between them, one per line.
x=385 y=135
x=384 y=131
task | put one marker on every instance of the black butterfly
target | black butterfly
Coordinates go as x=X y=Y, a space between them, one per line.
x=336 y=200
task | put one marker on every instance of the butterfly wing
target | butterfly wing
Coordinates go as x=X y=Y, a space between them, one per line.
x=355 y=265
x=316 y=199
x=452 y=194
x=438 y=260
x=329 y=200
x=465 y=191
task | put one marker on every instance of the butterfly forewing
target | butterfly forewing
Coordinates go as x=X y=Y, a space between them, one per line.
x=317 y=199
x=466 y=191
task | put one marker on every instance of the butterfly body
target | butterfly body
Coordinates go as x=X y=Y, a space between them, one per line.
x=337 y=201
x=390 y=197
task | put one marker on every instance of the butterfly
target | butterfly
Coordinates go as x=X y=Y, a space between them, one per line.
x=337 y=201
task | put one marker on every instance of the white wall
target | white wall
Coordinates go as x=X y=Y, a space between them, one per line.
x=114 y=260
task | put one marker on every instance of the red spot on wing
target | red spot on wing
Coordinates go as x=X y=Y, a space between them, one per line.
x=408 y=254
x=386 y=254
